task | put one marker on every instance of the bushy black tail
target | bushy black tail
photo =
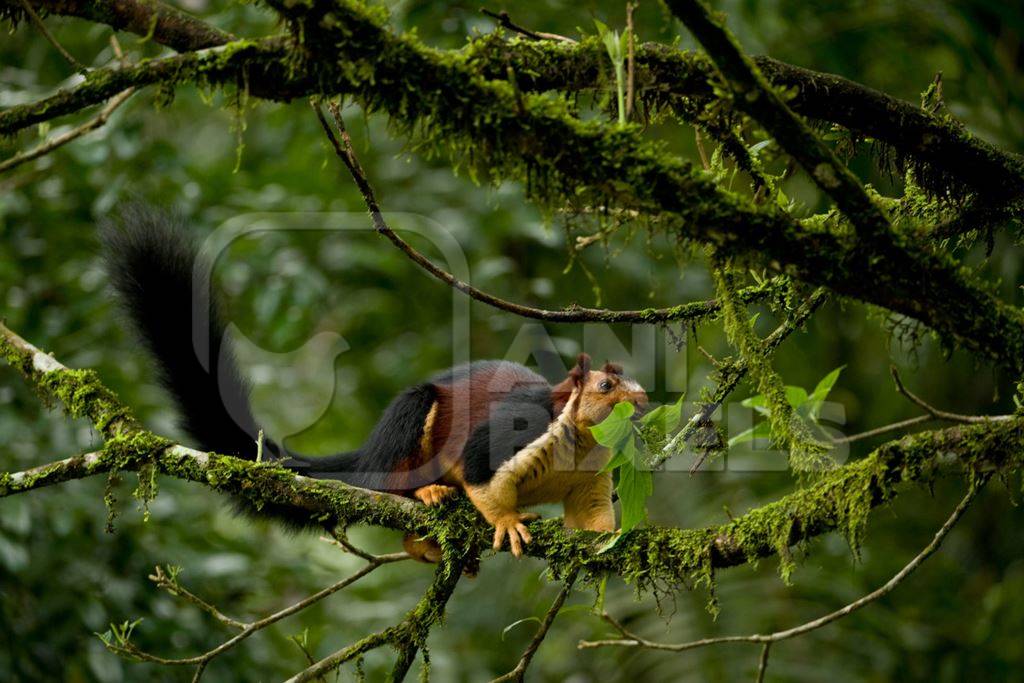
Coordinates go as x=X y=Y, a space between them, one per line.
x=155 y=268
x=151 y=260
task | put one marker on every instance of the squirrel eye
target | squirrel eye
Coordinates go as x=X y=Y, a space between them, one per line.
x=605 y=385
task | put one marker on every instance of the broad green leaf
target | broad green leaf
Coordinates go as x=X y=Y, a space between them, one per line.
x=635 y=486
x=666 y=418
x=781 y=199
x=624 y=454
x=613 y=431
x=762 y=430
x=796 y=396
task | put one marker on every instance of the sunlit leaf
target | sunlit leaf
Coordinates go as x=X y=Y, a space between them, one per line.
x=613 y=431
x=762 y=430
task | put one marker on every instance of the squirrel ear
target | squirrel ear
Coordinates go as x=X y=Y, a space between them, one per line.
x=612 y=368
x=580 y=370
x=583 y=363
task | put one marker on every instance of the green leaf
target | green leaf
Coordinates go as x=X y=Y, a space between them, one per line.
x=796 y=396
x=758 y=403
x=613 y=431
x=511 y=626
x=666 y=418
x=635 y=486
x=756 y=149
x=822 y=391
x=624 y=42
x=761 y=430
x=625 y=454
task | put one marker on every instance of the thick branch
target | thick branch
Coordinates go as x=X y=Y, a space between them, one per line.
x=753 y=94
x=165 y=24
x=565 y=65
x=64 y=138
x=662 y=70
x=258 y=63
x=648 y=557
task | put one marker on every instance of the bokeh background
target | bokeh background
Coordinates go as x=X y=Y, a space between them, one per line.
x=383 y=325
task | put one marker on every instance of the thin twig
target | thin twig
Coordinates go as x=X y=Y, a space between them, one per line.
x=39 y=24
x=933 y=413
x=64 y=138
x=942 y=414
x=895 y=426
x=168 y=582
x=338 y=538
x=202 y=660
x=519 y=671
x=699 y=140
x=404 y=636
x=505 y=21
x=630 y=639
x=762 y=663
x=576 y=314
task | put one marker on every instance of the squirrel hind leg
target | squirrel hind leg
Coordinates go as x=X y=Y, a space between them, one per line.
x=422 y=549
x=427 y=550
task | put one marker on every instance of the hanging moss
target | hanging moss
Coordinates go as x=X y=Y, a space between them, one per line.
x=788 y=431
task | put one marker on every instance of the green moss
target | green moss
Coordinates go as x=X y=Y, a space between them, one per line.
x=110 y=500
x=83 y=395
x=788 y=430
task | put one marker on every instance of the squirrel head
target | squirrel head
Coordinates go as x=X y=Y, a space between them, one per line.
x=598 y=391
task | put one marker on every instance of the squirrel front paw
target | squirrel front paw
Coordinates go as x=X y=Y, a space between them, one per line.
x=513 y=525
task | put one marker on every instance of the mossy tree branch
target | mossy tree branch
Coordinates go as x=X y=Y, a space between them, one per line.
x=662 y=71
x=165 y=24
x=650 y=557
x=930 y=140
x=503 y=133
x=753 y=94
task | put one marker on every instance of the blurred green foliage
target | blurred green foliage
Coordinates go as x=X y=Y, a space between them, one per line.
x=62 y=578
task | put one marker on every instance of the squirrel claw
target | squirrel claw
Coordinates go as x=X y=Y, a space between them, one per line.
x=514 y=526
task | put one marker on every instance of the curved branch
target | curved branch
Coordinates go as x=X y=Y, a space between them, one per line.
x=662 y=70
x=650 y=557
x=631 y=640
x=163 y=23
x=64 y=138
x=692 y=312
x=938 y=414
x=753 y=94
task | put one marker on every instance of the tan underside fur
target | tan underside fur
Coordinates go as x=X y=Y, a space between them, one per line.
x=561 y=465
